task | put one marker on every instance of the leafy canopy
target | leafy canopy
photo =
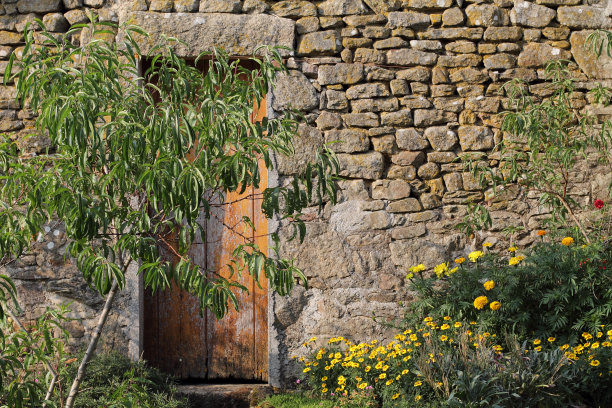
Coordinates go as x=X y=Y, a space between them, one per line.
x=138 y=161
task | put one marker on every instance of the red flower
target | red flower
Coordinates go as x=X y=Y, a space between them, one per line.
x=598 y=204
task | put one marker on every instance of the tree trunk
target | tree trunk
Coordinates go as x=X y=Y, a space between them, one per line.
x=92 y=346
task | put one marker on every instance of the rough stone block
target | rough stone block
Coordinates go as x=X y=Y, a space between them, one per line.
x=238 y=34
x=467 y=33
x=375 y=105
x=538 y=54
x=72 y=4
x=369 y=56
x=503 y=34
x=336 y=100
x=482 y=104
x=428 y=171
x=583 y=17
x=38 y=6
x=410 y=139
x=393 y=42
x=463 y=60
x=599 y=68
x=408 y=231
x=383 y=6
x=441 y=138
x=399 y=87
x=376 y=32
x=426 y=117
x=390 y=189
x=461 y=47
x=295 y=90
x=368 y=165
x=294 y=9
x=164 y=6
x=407 y=57
x=451 y=104
x=469 y=75
x=426 y=45
x=10 y=38
x=397 y=119
x=307 y=143
x=407 y=158
x=55 y=22
x=420 y=74
x=348 y=140
x=475 y=138
x=328 y=120
x=366 y=120
x=486 y=15
x=370 y=90
x=340 y=74
x=407 y=173
x=319 y=43
x=407 y=19
x=452 y=17
x=531 y=15
x=341 y=7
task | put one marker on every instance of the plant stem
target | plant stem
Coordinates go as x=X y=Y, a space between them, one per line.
x=14 y=317
x=92 y=345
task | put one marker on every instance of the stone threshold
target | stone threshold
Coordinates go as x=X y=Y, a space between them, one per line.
x=215 y=395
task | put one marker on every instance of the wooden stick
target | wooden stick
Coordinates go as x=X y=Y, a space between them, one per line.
x=92 y=346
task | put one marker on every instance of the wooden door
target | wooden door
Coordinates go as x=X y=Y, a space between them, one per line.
x=181 y=342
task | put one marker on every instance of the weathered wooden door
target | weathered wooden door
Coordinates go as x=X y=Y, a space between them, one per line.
x=180 y=342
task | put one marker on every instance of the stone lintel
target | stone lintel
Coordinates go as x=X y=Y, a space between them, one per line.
x=239 y=35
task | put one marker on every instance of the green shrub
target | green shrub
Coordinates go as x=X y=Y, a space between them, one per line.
x=115 y=381
x=451 y=363
x=553 y=290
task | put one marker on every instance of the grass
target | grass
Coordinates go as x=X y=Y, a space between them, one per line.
x=295 y=401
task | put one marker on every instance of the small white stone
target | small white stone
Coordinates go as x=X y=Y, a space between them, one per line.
x=479 y=97
x=555 y=51
x=440 y=3
x=50 y=245
x=47 y=229
x=56 y=233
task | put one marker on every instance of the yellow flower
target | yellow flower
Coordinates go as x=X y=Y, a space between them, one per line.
x=513 y=249
x=487 y=244
x=307 y=369
x=429 y=319
x=382 y=376
x=551 y=339
x=418 y=383
x=567 y=241
x=444 y=327
x=457 y=324
x=495 y=305
x=564 y=347
x=443 y=338
x=417 y=398
x=446 y=317
x=410 y=276
x=475 y=255
x=451 y=271
x=395 y=396
x=362 y=386
x=488 y=285
x=441 y=269
x=515 y=260
x=539 y=348
x=341 y=380
x=416 y=269
x=537 y=341
x=460 y=260
x=323 y=390
x=480 y=302
x=595 y=363
x=389 y=382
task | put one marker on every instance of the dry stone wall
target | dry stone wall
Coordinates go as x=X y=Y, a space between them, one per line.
x=405 y=87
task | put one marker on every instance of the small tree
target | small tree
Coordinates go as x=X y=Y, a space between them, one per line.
x=134 y=163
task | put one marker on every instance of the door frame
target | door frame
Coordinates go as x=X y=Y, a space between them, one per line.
x=278 y=32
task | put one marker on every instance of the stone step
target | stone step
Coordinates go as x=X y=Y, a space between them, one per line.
x=225 y=395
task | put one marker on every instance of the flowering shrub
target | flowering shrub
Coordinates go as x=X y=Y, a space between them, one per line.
x=448 y=361
x=553 y=289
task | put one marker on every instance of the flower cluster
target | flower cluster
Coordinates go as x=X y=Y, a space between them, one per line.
x=407 y=367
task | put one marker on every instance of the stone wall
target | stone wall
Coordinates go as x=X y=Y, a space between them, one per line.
x=406 y=86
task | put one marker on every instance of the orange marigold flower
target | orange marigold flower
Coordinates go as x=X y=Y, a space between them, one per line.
x=541 y=233
x=567 y=241
x=495 y=305
x=480 y=302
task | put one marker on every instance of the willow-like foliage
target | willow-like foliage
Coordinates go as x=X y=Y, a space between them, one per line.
x=138 y=160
